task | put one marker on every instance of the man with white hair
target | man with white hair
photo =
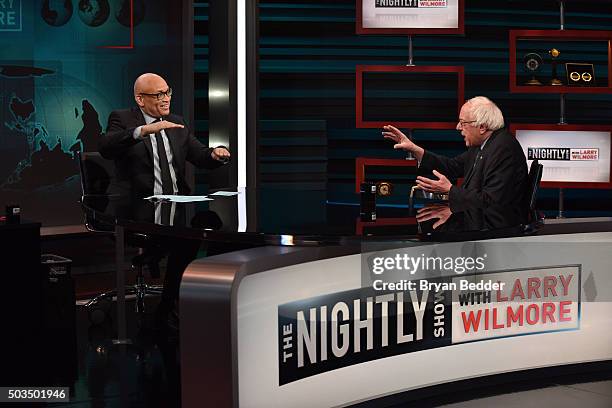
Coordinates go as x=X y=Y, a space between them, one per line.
x=494 y=168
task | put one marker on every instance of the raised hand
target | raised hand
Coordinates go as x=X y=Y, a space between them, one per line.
x=401 y=141
x=156 y=127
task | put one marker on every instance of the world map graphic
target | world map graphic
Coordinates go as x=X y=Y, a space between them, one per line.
x=46 y=118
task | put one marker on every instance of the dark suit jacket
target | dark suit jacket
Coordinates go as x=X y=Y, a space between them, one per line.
x=499 y=177
x=134 y=158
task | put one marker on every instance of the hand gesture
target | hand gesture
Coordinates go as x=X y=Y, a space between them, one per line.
x=442 y=185
x=157 y=127
x=437 y=211
x=220 y=154
x=401 y=140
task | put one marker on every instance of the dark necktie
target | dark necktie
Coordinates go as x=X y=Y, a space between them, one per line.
x=164 y=166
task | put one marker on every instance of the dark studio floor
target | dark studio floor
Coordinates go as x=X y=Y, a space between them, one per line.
x=100 y=374
x=146 y=374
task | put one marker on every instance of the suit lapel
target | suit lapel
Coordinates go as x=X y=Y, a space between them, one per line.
x=139 y=120
x=476 y=164
x=472 y=169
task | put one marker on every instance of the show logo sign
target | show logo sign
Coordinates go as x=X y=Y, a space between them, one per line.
x=562 y=153
x=337 y=330
x=410 y=3
x=341 y=329
x=10 y=15
x=528 y=302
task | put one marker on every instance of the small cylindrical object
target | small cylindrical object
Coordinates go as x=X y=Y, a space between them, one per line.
x=13 y=214
x=367 y=209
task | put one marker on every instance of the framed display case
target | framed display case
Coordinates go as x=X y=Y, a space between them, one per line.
x=604 y=86
x=450 y=121
x=362 y=162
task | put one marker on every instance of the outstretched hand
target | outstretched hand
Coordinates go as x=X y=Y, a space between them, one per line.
x=401 y=140
x=157 y=127
x=442 y=185
x=438 y=212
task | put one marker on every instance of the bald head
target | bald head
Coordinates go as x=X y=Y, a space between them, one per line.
x=147 y=87
x=145 y=81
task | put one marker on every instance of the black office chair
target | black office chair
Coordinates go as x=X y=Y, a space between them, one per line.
x=97 y=180
x=533 y=185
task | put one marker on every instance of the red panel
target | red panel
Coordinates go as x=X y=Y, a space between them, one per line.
x=360 y=69
x=557 y=184
x=566 y=35
x=362 y=162
x=360 y=30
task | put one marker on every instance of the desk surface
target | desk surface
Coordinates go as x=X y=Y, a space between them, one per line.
x=275 y=216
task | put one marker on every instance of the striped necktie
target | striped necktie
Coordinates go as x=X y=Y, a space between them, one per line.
x=164 y=166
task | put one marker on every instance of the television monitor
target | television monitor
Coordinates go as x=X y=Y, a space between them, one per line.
x=573 y=156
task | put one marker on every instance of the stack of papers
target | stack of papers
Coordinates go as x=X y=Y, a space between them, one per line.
x=178 y=198
x=225 y=194
x=189 y=198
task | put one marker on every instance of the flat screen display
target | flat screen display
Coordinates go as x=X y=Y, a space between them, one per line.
x=410 y=14
x=568 y=156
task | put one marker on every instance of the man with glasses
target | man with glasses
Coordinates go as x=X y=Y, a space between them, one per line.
x=494 y=168
x=150 y=147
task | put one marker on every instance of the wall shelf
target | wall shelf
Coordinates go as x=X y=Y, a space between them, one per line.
x=360 y=69
x=362 y=162
x=556 y=35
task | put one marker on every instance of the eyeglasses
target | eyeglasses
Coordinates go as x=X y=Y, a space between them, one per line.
x=462 y=123
x=160 y=95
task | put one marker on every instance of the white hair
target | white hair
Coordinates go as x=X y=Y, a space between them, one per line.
x=485 y=112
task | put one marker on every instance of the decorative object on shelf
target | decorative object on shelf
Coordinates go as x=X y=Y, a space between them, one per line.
x=554 y=53
x=533 y=63
x=580 y=74
x=367 y=207
x=384 y=189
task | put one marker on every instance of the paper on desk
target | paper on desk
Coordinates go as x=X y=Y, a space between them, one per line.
x=178 y=198
x=225 y=193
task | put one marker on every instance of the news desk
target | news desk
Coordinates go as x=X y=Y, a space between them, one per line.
x=294 y=318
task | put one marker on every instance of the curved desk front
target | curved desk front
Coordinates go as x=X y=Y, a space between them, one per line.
x=300 y=325
x=296 y=320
